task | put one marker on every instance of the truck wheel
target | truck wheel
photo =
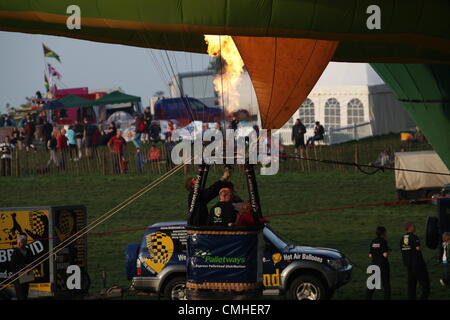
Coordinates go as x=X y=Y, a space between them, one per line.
x=432 y=232
x=307 y=288
x=175 y=289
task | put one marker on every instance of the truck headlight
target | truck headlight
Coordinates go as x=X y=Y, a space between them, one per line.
x=335 y=263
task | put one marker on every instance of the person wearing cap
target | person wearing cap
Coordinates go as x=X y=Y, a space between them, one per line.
x=223 y=213
x=199 y=216
x=20 y=257
x=379 y=252
x=415 y=264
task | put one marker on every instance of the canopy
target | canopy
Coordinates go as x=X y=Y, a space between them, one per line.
x=70 y=101
x=411 y=31
x=115 y=98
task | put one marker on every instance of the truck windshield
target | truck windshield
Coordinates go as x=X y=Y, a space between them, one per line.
x=273 y=237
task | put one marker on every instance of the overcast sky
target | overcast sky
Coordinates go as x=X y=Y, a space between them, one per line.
x=138 y=71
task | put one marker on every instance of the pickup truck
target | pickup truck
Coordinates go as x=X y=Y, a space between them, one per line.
x=158 y=264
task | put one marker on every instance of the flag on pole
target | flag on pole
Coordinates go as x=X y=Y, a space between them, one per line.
x=53 y=72
x=48 y=53
x=47 y=87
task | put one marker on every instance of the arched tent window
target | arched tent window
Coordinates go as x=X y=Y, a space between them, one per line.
x=355 y=111
x=307 y=113
x=332 y=113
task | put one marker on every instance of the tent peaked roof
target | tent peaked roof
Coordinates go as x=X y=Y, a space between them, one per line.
x=73 y=101
x=116 y=97
x=69 y=101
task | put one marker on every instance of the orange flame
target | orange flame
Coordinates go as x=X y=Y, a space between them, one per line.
x=226 y=83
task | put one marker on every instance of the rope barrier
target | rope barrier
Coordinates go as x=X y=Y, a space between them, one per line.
x=359 y=165
x=393 y=203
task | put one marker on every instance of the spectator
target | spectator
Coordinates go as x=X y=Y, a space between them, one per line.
x=298 y=136
x=319 y=131
x=52 y=145
x=47 y=130
x=89 y=131
x=110 y=132
x=62 y=146
x=170 y=130
x=419 y=136
x=123 y=165
x=79 y=134
x=16 y=138
x=6 y=148
x=139 y=126
x=116 y=146
x=95 y=140
x=384 y=159
x=223 y=213
x=20 y=258
x=2 y=120
x=9 y=122
x=72 y=142
x=169 y=144
x=445 y=281
x=234 y=123
x=147 y=122
x=29 y=130
x=22 y=122
x=155 y=131
x=139 y=161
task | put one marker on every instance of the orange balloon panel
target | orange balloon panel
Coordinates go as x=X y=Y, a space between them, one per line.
x=283 y=72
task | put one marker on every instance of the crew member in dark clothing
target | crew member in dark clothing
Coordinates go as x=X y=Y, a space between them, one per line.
x=223 y=213
x=379 y=251
x=20 y=257
x=199 y=216
x=414 y=263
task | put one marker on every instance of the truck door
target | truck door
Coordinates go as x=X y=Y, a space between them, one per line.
x=271 y=265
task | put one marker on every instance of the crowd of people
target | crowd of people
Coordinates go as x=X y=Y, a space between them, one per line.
x=79 y=140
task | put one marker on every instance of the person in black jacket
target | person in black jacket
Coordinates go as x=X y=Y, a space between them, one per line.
x=223 y=213
x=379 y=252
x=415 y=264
x=298 y=135
x=319 y=131
x=199 y=216
x=47 y=130
x=20 y=257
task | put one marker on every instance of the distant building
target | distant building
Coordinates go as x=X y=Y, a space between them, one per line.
x=349 y=99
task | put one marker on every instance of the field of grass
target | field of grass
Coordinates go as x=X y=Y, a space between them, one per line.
x=347 y=230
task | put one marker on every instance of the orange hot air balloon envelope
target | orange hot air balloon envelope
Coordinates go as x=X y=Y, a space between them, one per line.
x=283 y=72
